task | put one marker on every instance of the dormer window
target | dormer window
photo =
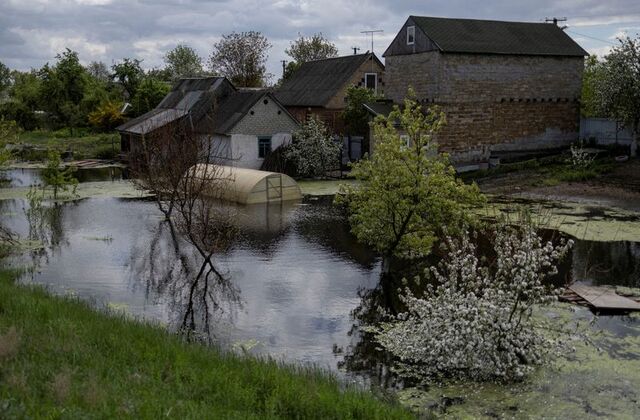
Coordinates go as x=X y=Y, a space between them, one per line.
x=411 y=35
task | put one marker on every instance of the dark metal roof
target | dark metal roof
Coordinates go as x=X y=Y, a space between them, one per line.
x=213 y=105
x=195 y=97
x=498 y=37
x=316 y=82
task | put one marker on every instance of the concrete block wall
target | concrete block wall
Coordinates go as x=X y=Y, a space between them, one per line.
x=493 y=102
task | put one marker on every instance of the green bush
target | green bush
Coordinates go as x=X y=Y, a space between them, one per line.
x=107 y=153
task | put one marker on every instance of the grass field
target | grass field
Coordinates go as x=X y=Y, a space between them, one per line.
x=82 y=143
x=61 y=359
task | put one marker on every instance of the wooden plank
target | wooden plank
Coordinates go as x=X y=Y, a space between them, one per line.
x=602 y=298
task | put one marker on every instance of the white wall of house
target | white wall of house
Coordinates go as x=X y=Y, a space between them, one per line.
x=244 y=149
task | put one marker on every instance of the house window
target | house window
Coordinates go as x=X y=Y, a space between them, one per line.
x=371 y=81
x=411 y=35
x=264 y=146
x=406 y=139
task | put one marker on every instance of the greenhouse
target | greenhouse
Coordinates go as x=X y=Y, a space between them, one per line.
x=249 y=186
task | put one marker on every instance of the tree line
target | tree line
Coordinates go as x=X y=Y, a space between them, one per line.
x=67 y=94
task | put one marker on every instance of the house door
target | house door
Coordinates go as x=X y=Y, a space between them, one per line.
x=274 y=187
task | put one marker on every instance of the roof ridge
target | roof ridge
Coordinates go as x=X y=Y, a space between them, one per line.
x=484 y=20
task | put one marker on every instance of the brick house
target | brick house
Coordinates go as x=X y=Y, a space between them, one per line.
x=506 y=87
x=319 y=87
x=246 y=124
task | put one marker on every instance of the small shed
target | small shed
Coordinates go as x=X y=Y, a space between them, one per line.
x=251 y=186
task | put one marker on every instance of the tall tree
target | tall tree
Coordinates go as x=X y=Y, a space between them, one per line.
x=409 y=194
x=63 y=88
x=303 y=49
x=589 y=106
x=99 y=71
x=5 y=78
x=354 y=114
x=148 y=95
x=618 y=86
x=183 y=61
x=242 y=58
x=128 y=74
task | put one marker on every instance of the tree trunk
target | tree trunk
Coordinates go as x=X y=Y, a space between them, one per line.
x=633 y=150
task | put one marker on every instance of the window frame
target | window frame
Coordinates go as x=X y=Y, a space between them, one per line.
x=375 y=88
x=261 y=142
x=411 y=30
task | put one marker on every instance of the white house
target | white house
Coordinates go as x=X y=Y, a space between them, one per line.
x=245 y=124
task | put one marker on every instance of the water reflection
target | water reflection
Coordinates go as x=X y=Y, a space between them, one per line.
x=295 y=282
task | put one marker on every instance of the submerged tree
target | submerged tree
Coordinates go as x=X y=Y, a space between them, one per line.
x=408 y=193
x=56 y=177
x=475 y=319
x=242 y=58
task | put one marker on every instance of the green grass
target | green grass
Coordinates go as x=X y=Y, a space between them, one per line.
x=61 y=359
x=82 y=143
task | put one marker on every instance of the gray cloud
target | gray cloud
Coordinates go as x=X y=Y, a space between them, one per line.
x=33 y=31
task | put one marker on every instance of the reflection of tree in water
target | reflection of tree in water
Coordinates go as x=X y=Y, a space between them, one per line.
x=197 y=292
x=607 y=263
x=322 y=223
x=45 y=228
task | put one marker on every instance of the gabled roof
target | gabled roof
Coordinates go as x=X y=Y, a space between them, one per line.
x=497 y=37
x=213 y=105
x=316 y=82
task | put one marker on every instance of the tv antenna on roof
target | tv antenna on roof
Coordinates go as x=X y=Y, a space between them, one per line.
x=555 y=21
x=375 y=31
x=355 y=50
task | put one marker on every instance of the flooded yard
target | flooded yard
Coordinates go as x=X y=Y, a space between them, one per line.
x=297 y=287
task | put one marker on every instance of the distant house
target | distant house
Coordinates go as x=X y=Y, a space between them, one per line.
x=506 y=87
x=246 y=124
x=319 y=87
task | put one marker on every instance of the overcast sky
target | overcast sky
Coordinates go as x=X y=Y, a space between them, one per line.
x=33 y=31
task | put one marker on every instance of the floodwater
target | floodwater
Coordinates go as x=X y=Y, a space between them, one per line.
x=296 y=283
x=27 y=177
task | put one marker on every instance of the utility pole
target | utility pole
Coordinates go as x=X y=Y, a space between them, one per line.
x=284 y=66
x=555 y=21
x=355 y=50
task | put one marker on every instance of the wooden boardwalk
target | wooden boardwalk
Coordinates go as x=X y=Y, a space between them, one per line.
x=603 y=299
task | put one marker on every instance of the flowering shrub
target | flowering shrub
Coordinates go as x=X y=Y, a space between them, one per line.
x=475 y=319
x=580 y=158
x=313 y=151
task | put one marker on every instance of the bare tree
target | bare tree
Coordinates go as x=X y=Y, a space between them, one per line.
x=182 y=167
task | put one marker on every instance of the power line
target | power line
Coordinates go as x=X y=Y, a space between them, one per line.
x=592 y=37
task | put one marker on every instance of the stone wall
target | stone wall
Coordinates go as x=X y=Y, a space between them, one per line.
x=493 y=102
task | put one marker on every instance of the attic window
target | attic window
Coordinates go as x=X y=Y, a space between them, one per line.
x=266 y=101
x=371 y=81
x=411 y=35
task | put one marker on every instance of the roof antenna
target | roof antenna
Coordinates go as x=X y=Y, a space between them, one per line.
x=355 y=50
x=375 y=31
x=555 y=21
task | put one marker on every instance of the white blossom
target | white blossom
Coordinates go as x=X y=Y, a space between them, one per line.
x=474 y=321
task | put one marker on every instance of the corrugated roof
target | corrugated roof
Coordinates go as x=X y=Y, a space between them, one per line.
x=316 y=82
x=213 y=104
x=498 y=37
x=194 y=96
